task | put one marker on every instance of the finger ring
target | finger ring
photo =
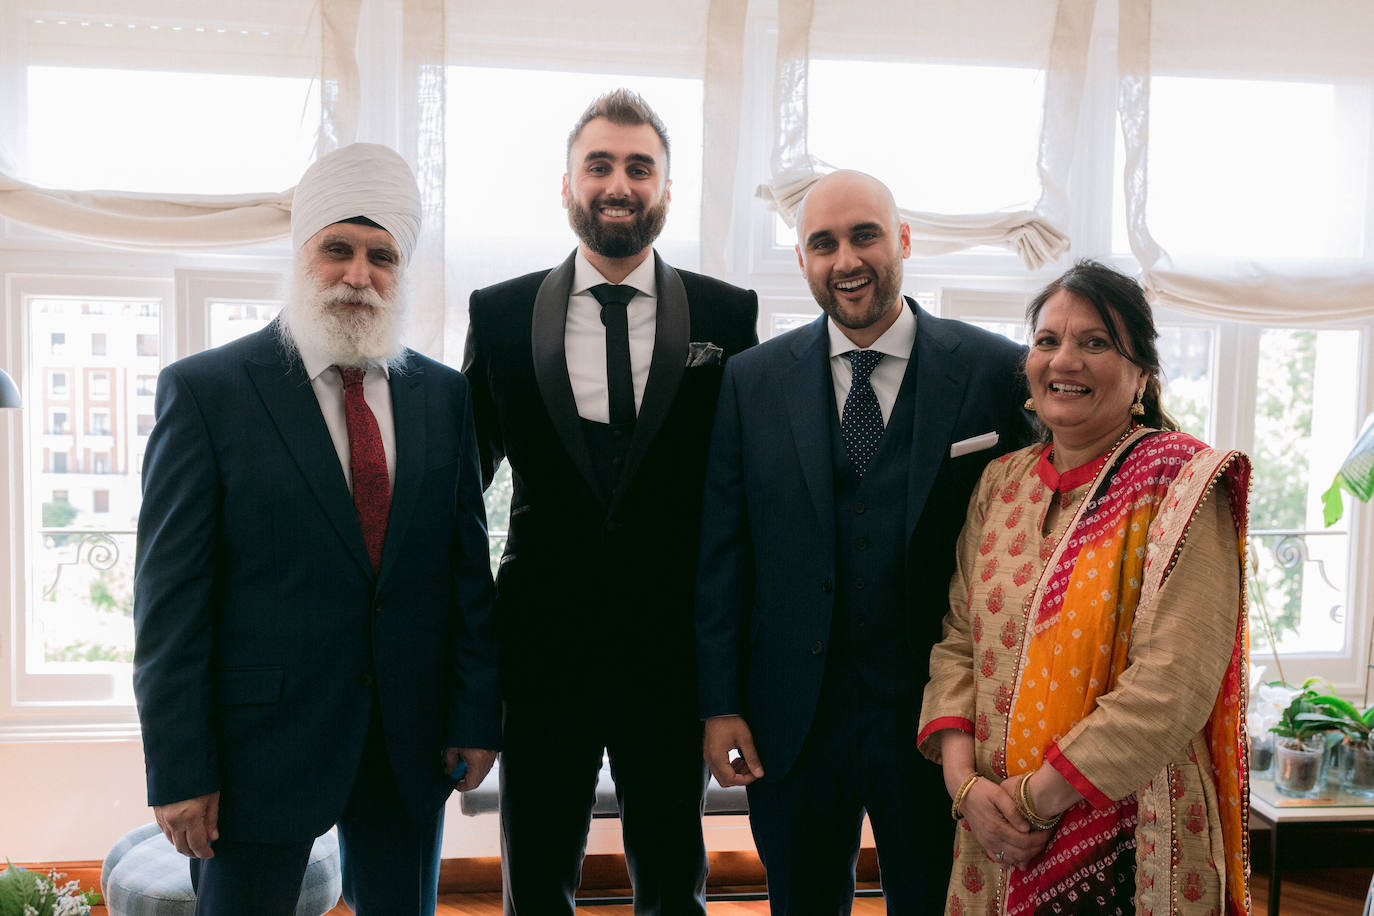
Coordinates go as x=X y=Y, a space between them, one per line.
x=1001 y=854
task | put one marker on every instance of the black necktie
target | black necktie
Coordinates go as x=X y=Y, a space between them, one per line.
x=620 y=380
x=861 y=424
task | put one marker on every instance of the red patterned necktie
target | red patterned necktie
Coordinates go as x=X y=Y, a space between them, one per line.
x=367 y=458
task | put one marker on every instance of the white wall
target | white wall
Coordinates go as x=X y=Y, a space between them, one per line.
x=71 y=800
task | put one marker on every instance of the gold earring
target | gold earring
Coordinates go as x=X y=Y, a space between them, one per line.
x=1138 y=408
x=1030 y=404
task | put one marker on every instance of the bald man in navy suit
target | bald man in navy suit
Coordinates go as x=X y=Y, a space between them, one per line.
x=841 y=465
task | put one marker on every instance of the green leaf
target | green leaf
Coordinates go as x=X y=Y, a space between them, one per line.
x=1343 y=707
x=18 y=887
x=1332 y=506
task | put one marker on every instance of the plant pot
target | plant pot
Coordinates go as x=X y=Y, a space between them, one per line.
x=1333 y=763
x=1261 y=754
x=1298 y=766
x=1358 y=776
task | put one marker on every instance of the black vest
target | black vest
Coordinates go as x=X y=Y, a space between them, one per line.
x=608 y=444
x=868 y=632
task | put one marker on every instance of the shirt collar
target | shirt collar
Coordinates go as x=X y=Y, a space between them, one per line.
x=585 y=276
x=898 y=340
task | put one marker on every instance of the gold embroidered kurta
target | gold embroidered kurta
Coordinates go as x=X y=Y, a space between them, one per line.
x=1144 y=736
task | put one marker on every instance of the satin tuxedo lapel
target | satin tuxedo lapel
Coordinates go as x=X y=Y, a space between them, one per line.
x=808 y=379
x=672 y=330
x=408 y=413
x=290 y=401
x=547 y=327
x=941 y=381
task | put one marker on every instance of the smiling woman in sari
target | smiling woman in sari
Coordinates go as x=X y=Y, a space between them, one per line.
x=1086 y=702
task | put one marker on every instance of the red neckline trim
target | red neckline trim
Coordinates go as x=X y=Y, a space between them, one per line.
x=1073 y=478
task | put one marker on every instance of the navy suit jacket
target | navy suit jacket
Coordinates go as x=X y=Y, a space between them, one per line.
x=765 y=588
x=589 y=575
x=263 y=631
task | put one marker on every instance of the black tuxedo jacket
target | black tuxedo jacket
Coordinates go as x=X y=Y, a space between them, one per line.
x=766 y=592
x=263 y=631
x=588 y=578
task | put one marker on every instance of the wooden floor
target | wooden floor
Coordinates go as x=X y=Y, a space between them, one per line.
x=1299 y=899
x=1303 y=895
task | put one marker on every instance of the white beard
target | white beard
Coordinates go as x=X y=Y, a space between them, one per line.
x=351 y=328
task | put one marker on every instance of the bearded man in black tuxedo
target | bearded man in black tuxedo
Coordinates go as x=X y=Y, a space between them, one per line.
x=597 y=380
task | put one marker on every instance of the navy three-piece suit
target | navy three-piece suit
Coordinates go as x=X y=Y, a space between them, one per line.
x=821 y=592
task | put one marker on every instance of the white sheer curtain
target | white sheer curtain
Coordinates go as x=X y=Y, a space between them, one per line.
x=1248 y=158
x=521 y=74
x=310 y=38
x=938 y=43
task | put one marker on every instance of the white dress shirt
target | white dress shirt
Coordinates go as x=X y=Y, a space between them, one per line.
x=584 y=336
x=328 y=386
x=895 y=344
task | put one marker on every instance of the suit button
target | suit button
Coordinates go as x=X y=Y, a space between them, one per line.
x=367 y=680
x=817 y=647
x=860 y=508
x=827 y=586
x=611 y=526
x=859 y=583
x=377 y=610
x=860 y=621
x=862 y=544
x=617 y=461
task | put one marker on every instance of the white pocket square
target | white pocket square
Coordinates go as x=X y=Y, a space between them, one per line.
x=975 y=444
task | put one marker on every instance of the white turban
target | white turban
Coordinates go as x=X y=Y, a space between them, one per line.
x=361 y=179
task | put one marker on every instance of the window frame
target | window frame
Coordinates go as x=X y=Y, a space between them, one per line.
x=92 y=702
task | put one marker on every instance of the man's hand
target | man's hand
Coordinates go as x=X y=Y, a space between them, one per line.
x=723 y=735
x=479 y=761
x=191 y=825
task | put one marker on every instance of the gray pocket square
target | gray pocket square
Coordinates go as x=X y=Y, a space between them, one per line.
x=704 y=353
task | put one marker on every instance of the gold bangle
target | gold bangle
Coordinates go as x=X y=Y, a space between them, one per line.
x=1033 y=817
x=968 y=782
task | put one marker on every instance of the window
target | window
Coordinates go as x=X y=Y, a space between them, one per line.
x=145 y=385
x=57 y=343
x=97 y=344
x=77 y=550
x=145 y=424
x=230 y=320
x=57 y=384
x=1305 y=415
x=146 y=344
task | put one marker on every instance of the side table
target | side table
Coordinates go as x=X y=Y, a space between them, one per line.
x=1335 y=829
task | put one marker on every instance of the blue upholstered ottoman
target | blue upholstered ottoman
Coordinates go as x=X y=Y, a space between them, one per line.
x=144 y=875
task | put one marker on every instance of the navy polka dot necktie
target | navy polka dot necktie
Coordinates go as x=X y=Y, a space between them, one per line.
x=861 y=423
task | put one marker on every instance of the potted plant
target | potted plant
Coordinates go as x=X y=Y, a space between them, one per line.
x=24 y=892
x=1301 y=742
x=1356 y=760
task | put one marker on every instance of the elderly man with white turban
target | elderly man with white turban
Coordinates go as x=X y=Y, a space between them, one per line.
x=312 y=598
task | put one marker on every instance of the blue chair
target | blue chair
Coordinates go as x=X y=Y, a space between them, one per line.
x=144 y=875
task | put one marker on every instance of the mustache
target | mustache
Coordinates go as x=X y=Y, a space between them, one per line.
x=343 y=294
